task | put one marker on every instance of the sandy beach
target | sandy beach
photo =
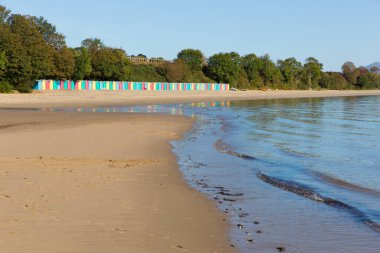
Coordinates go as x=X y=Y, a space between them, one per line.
x=98 y=182
x=75 y=182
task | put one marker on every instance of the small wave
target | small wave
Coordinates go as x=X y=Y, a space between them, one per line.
x=293 y=153
x=344 y=184
x=224 y=148
x=309 y=193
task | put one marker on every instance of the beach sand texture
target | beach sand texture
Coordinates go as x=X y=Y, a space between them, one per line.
x=98 y=182
x=82 y=182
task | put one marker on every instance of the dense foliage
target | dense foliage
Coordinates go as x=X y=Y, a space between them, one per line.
x=31 y=49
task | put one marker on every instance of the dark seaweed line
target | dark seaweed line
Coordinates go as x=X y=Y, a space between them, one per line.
x=19 y=124
x=303 y=190
x=18 y=109
x=310 y=194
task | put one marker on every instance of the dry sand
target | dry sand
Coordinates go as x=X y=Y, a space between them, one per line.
x=78 y=182
x=82 y=182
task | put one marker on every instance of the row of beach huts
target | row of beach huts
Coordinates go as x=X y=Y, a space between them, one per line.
x=120 y=85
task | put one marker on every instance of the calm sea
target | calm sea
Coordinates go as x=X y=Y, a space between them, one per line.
x=294 y=175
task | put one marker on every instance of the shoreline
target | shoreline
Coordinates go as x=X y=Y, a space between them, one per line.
x=72 y=184
x=35 y=123
x=225 y=154
x=41 y=99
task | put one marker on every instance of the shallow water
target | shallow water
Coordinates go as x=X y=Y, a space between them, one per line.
x=301 y=175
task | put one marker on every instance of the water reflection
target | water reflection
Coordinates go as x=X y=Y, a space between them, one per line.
x=177 y=109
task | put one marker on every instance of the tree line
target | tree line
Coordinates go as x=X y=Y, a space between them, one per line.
x=32 y=49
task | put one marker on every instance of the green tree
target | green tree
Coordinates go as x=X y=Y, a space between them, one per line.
x=3 y=61
x=369 y=81
x=291 y=70
x=350 y=72
x=106 y=63
x=269 y=72
x=197 y=77
x=224 y=68
x=312 y=72
x=28 y=56
x=11 y=52
x=64 y=64
x=83 y=66
x=109 y=64
x=174 y=71
x=242 y=81
x=5 y=87
x=145 y=72
x=93 y=44
x=4 y=14
x=49 y=33
x=193 y=58
x=252 y=66
x=333 y=80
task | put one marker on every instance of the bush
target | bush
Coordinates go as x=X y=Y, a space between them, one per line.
x=145 y=73
x=25 y=86
x=5 y=87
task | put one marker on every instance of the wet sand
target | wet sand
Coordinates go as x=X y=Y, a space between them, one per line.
x=108 y=98
x=82 y=182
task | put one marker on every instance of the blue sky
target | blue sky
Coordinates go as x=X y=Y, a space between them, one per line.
x=333 y=31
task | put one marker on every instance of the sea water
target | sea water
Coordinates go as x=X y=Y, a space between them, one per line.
x=293 y=175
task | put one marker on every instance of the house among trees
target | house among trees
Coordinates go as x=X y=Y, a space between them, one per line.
x=142 y=59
